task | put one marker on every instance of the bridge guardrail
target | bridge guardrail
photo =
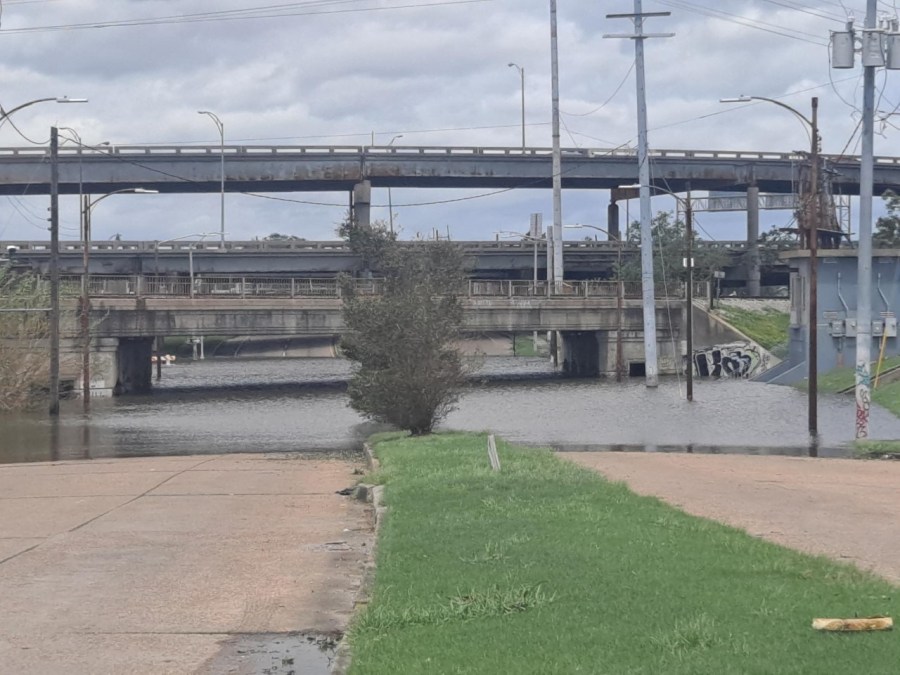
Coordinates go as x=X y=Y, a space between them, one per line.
x=282 y=246
x=224 y=286
x=415 y=151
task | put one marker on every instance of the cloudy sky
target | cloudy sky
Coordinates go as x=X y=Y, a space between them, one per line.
x=434 y=72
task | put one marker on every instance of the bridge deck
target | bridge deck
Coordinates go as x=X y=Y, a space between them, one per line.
x=193 y=169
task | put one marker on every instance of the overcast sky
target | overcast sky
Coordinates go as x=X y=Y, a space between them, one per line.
x=321 y=72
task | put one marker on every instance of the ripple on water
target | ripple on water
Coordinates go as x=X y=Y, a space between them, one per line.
x=275 y=405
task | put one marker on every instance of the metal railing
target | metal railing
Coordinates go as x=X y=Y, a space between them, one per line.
x=405 y=151
x=280 y=246
x=223 y=286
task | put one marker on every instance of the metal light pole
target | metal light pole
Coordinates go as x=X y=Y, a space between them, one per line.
x=522 y=78
x=221 y=127
x=87 y=207
x=812 y=214
x=390 y=200
x=54 y=248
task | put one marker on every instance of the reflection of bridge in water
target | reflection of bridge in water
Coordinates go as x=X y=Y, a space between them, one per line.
x=129 y=311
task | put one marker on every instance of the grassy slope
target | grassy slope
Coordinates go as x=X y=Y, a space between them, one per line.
x=547 y=568
x=769 y=328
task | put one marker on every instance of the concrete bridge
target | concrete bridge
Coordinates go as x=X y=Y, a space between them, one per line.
x=129 y=311
x=506 y=259
x=275 y=168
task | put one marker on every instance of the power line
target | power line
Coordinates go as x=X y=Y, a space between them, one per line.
x=743 y=21
x=231 y=16
x=606 y=102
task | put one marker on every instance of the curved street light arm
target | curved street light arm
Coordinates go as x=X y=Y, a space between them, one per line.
x=809 y=126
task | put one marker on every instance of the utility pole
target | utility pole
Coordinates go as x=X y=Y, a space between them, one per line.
x=54 y=272
x=647 y=283
x=813 y=224
x=878 y=48
x=689 y=236
x=864 y=252
x=557 y=157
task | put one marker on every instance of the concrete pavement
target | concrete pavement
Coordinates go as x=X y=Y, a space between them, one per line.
x=152 y=565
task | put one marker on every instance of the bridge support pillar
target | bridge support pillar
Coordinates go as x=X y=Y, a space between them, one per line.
x=612 y=221
x=753 y=273
x=135 y=370
x=104 y=366
x=362 y=203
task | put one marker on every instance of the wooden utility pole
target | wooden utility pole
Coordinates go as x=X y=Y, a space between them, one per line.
x=813 y=215
x=54 y=271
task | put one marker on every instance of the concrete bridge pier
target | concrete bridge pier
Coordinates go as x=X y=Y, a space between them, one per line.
x=104 y=365
x=753 y=262
x=134 y=367
x=362 y=203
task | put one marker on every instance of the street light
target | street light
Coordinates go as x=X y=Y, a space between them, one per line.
x=54 y=244
x=522 y=78
x=390 y=201
x=811 y=211
x=87 y=206
x=620 y=295
x=202 y=235
x=221 y=127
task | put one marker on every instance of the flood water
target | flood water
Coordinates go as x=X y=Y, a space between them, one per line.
x=300 y=405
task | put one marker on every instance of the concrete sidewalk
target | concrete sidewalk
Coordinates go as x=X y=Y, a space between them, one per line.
x=149 y=565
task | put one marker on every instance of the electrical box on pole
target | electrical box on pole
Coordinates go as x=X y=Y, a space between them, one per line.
x=843 y=54
x=892 y=51
x=872 y=48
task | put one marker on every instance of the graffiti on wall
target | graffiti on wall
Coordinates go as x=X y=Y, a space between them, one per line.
x=736 y=359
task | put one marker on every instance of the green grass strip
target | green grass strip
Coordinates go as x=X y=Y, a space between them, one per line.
x=545 y=567
x=768 y=327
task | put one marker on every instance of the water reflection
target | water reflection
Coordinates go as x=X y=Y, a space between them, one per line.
x=269 y=405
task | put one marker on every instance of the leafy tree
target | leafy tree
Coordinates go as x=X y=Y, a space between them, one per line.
x=409 y=372
x=23 y=358
x=773 y=241
x=887 y=228
x=669 y=252
x=276 y=236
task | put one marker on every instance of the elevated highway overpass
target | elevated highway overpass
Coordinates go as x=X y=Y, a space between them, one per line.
x=277 y=168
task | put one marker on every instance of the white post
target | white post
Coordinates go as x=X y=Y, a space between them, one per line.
x=647 y=282
x=557 y=159
x=864 y=261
